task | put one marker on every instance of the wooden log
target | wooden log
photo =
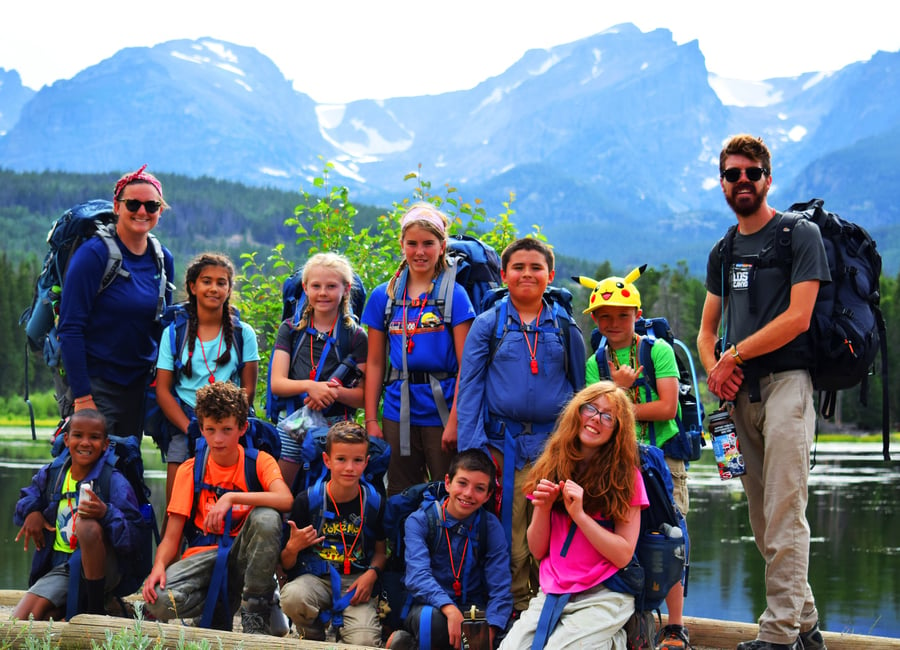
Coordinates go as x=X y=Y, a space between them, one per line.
x=85 y=628
x=727 y=634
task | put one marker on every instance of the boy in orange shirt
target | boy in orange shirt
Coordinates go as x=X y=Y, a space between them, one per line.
x=231 y=521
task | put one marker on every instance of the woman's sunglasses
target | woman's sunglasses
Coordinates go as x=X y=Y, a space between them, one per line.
x=133 y=205
x=733 y=174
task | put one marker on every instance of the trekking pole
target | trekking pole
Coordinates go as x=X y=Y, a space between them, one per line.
x=27 y=400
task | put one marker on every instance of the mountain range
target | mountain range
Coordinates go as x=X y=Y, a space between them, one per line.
x=609 y=143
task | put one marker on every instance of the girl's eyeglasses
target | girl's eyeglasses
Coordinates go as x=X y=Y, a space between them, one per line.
x=589 y=411
x=134 y=205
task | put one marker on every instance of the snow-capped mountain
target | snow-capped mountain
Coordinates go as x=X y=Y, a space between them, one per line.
x=615 y=135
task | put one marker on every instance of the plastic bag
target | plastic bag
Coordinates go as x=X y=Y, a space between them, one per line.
x=302 y=420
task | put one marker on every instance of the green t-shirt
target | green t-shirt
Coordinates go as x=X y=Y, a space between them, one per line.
x=663 y=357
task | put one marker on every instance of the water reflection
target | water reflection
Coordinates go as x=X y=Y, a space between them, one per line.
x=854 y=560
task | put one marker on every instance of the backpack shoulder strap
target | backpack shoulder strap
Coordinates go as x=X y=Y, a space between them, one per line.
x=645 y=358
x=444 y=288
x=164 y=284
x=113 y=260
x=784 y=232
x=601 y=359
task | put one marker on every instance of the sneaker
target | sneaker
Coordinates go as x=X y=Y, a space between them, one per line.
x=255 y=616
x=279 y=624
x=400 y=640
x=673 y=637
x=812 y=639
x=756 y=644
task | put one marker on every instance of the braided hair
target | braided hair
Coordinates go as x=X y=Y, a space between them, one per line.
x=191 y=275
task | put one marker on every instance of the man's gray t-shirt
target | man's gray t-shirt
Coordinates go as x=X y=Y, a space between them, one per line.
x=767 y=287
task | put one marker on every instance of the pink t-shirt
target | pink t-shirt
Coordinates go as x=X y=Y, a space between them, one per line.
x=583 y=566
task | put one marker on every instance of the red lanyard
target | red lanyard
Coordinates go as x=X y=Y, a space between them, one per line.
x=410 y=332
x=312 y=362
x=212 y=373
x=532 y=350
x=347 y=552
x=457 y=587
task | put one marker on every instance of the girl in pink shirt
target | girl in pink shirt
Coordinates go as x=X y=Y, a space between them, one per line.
x=587 y=493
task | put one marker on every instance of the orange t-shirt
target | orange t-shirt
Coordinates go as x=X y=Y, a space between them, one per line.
x=229 y=478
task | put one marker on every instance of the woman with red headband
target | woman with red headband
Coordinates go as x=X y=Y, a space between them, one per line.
x=109 y=336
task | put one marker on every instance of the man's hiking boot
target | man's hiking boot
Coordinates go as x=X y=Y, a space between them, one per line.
x=812 y=639
x=673 y=637
x=255 y=614
x=756 y=644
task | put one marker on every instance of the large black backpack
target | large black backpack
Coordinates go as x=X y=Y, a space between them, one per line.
x=847 y=328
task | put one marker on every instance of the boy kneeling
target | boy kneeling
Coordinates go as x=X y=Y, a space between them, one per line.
x=456 y=557
x=232 y=515
x=336 y=548
x=69 y=492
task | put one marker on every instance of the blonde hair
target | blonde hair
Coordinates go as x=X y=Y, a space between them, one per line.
x=608 y=477
x=426 y=216
x=338 y=264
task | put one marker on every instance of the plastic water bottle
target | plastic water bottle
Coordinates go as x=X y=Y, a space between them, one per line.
x=725 y=445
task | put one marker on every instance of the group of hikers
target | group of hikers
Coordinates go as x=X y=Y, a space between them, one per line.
x=507 y=397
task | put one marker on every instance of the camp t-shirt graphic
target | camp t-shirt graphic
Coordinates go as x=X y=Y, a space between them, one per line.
x=332 y=547
x=741 y=272
x=65 y=515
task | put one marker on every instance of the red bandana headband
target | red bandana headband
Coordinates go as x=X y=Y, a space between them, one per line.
x=139 y=175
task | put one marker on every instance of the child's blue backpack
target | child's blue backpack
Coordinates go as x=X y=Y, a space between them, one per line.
x=74 y=227
x=293 y=304
x=688 y=444
x=427 y=497
x=155 y=423
x=312 y=467
x=124 y=455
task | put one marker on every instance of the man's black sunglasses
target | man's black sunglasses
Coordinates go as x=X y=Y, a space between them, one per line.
x=733 y=174
x=133 y=205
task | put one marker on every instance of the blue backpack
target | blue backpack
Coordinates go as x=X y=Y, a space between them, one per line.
x=427 y=497
x=688 y=444
x=293 y=304
x=312 y=468
x=124 y=455
x=563 y=326
x=74 y=227
x=847 y=330
x=155 y=423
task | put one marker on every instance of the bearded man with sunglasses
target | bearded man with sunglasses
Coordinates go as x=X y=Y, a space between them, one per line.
x=109 y=332
x=760 y=366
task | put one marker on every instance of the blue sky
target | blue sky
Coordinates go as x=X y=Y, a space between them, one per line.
x=340 y=50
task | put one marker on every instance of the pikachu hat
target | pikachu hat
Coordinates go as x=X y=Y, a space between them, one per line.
x=614 y=291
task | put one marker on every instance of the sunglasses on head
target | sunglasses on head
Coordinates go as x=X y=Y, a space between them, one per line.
x=134 y=205
x=733 y=174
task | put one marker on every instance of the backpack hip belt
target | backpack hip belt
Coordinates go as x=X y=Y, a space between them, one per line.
x=417 y=377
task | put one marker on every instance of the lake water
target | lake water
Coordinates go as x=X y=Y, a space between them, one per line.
x=854 y=513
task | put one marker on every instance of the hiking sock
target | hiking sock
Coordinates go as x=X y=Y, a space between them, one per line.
x=94 y=592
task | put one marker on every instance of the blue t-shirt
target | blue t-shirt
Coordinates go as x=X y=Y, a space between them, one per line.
x=432 y=350
x=186 y=387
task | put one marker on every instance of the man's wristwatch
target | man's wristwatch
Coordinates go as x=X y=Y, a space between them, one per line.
x=736 y=355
